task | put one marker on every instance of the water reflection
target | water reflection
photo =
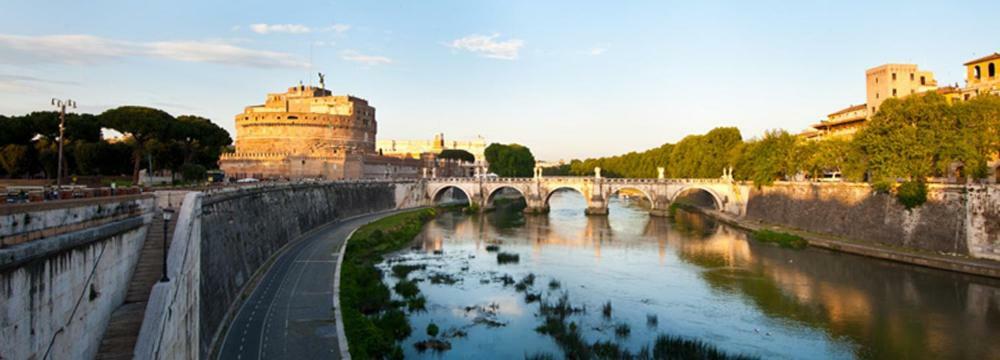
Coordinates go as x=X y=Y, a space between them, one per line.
x=703 y=280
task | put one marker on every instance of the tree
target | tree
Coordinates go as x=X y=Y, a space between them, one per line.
x=770 y=158
x=15 y=159
x=203 y=141
x=512 y=160
x=142 y=124
x=457 y=154
x=910 y=138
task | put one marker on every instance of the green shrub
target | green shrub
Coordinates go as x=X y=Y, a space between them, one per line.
x=432 y=330
x=912 y=194
x=374 y=324
x=784 y=240
x=882 y=187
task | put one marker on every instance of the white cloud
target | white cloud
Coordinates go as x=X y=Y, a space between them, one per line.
x=488 y=47
x=279 y=28
x=295 y=28
x=338 y=28
x=25 y=83
x=369 y=60
x=88 y=49
x=597 y=51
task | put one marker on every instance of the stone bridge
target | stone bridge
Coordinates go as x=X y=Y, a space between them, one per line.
x=729 y=196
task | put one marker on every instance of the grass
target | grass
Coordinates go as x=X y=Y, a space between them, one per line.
x=508 y=258
x=784 y=240
x=373 y=322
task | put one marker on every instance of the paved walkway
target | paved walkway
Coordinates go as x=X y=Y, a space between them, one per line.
x=290 y=314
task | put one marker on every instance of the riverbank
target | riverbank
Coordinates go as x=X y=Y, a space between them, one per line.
x=962 y=264
x=372 y=321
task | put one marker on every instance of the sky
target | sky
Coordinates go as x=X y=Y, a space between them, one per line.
x=569 y=79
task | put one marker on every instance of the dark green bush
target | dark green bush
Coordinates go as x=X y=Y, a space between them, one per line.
x=912 y=194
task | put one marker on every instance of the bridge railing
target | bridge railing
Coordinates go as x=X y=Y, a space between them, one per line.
x=581 y=178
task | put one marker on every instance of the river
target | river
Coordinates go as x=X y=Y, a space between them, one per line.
x=688 y=277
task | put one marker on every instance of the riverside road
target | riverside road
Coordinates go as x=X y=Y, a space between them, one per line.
x=290 y=313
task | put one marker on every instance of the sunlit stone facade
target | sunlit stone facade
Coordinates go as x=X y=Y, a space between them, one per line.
x=307 y=132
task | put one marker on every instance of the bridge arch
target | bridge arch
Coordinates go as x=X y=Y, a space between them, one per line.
x=553 y=190
x=496 y=190
x=436 y=194
x=717 y=200
x=645 y=193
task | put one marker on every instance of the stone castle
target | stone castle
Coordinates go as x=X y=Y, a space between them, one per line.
x=307 y=132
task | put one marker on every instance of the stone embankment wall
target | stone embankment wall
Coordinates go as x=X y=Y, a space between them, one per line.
x=171 y=322
x=955 y=219
x=242 y=229
x=64 y=268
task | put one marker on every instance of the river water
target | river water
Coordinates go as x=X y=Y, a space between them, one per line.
x=697 y=278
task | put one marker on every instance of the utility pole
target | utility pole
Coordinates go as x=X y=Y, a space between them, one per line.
x=61 y=104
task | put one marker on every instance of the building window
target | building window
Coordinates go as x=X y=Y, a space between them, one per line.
x=991 y=70
x=893 y=92
x=975 y=72
x=876 y=95
x=912 y=91
x=893 y=76
x=911 y=76
x=876 y=79
x=923 y=80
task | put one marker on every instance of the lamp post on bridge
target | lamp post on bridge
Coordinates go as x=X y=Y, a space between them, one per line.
x=61 y=104
x=167 y=214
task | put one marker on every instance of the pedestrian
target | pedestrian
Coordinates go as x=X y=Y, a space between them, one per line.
x=114 y=188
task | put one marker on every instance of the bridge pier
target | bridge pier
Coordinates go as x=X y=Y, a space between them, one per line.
x=536 y=205
x=596 y=206
x=660 y=207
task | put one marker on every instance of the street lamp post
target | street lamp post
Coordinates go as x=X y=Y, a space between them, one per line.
x=61 y=104
x=167 y=214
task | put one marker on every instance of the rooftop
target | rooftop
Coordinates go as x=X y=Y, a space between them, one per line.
x=848 y=109
x=984 y=58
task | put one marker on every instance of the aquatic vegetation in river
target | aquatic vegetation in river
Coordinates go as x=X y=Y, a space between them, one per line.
x=407 y=289
x=442 y=278
x=492 y=248
x=554 y=284
x=507 y=258
x=525 y=282
x=417 y=303
x=403 y=270
x=623 y=329
x=652 y=321
x=606 y=309
x=432 y=344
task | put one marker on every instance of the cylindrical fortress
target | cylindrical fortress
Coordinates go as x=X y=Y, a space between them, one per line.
x=305 y=132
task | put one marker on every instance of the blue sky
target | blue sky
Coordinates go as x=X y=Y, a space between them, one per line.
x=569 y=79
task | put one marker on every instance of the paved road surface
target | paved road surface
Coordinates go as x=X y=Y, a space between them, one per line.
x=290 y=315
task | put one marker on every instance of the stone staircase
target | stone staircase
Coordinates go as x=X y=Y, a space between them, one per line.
x=123 y=328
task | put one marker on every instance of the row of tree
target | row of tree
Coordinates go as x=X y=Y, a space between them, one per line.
x=186 y=144
x=913 y=138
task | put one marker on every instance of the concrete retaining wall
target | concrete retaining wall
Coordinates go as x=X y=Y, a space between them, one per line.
x=955 y=219
x=242 y=229
x=59 y=286
x=170 y=327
